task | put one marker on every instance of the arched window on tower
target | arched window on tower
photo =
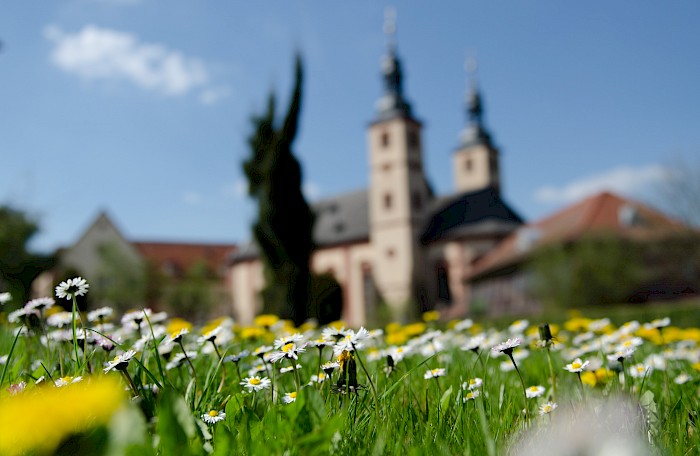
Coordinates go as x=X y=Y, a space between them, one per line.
x=385 y=140
x=388 y=201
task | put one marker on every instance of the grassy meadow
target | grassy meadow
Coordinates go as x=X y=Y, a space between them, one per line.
x=143 y=383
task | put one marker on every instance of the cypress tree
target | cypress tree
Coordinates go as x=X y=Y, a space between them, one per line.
x=283 y=230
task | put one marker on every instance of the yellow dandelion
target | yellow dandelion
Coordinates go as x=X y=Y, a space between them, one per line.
x=59 y=412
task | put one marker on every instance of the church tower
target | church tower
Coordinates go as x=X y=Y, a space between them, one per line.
x=475 y=162
x=398 y=190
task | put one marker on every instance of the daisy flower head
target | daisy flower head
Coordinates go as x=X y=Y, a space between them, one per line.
x=681 y=379
x=100 y=314
x=72 y=288
x=640 y=370
x=534 y=391
x=658 y=323
x=120 y=362
x=5 y=297
x=434 y=373
x=63 y=381
x=210 y=336
x=473 y=383
x=471 y=395
x=621 y=355
x=518 y=326
x=256 y=383
x=290 y=397
x=507 y=346
x=577 y=365
x=285 y=340
x=330 y=366
x=289 y=351
x=176 y=337
x=213 y=417
x=474 y=343
x=334 y=334
x=352 y=340
x=284 y=370
x=262 y=350
x=548 y=407
x=40 y=303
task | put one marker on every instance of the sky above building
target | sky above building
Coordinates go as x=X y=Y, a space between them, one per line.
x=142 y=107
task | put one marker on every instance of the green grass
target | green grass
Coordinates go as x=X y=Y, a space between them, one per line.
x=409 y=415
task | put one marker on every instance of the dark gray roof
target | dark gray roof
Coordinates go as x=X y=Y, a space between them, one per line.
x=341 y=219
x=470 y=213
x=344 y=219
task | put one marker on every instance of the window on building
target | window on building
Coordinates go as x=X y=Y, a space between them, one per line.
x=388 y=201
x=443 y=284
x=390 y=253
x=386 y=167
x=416 y=201
x=468 y=165
x=385 y=139
x=413 y=141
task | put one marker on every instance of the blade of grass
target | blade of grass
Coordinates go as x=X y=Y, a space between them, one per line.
x=9 y=357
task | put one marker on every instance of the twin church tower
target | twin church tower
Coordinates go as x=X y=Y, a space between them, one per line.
x=396 y=242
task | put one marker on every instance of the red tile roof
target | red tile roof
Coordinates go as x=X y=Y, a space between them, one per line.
x=599 y=214
x=182 y=256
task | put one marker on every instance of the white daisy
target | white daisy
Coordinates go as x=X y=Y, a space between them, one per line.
x=40 y=303
x=507 y=346
x=5 y=297
x=290 y=397
x=288 y=351
x=120 y=362
x=352 y=340
x=179 y=359
x=60 y=319
x=640 y=370
x=577 y=365
x=471 y=395
x=434 y=373
x=72 y=288
x=681 y=379
x=547 y=407
x=473 y=383
x=100 y=314
x=63 y=381
x=256 y=383
x=284 y=370
x=534 y=391
x=214 y=416
x=285 y=340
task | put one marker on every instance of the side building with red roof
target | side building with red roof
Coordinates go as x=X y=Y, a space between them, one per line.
x=504 y=280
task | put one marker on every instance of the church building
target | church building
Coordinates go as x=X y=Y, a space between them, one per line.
x=397 y=243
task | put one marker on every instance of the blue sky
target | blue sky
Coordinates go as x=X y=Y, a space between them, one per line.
x=142 y=107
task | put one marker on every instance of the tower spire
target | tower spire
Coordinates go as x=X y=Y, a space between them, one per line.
x=475 y=132
x=392 y=102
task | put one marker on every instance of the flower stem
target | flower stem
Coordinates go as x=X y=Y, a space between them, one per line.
x=554 y=377
x=371 y=384
x=522 y=382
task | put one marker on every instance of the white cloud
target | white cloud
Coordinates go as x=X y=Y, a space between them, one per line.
x=95 y=53
x=626 y=180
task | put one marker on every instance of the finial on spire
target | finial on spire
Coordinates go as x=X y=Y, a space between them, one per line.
x=475 y=131
x=393 y=102
x=390 y=27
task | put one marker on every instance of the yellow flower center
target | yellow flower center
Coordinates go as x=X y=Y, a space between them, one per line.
x=66 y=379
x=213 y=413
x=576 y=365
x=293 y=395
x=287 y=347
x=533 y=389
x=472 y=381
x=254 y=381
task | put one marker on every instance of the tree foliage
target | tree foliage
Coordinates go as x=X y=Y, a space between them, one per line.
x=283 y=230
x=18 y=266
x=591 y=271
